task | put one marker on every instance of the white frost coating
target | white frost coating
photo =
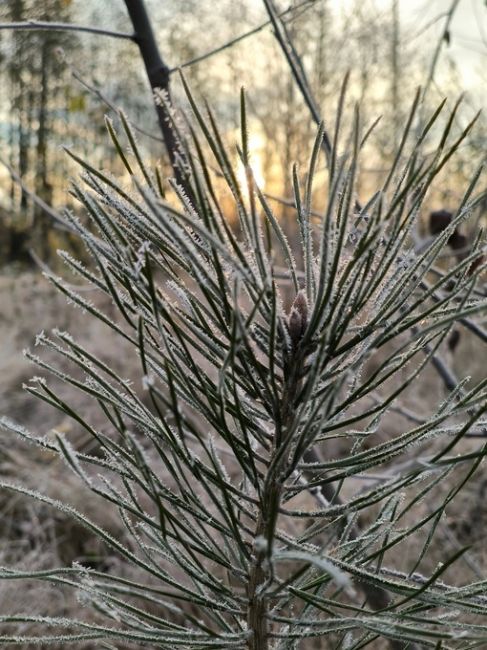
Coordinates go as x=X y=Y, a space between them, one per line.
x=148 y=382
x=140 y=259
x=65 y=336
x=260 y=544
x=67 y=451
x=181 y=292
x=339 y=577
x=9 y=425
x=40 y=338
x=41 y=381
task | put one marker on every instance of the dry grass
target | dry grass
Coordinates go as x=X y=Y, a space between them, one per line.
x=32 y=536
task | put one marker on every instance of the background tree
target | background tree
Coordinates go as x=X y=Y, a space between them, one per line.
x=37 y=114
x=365 y=37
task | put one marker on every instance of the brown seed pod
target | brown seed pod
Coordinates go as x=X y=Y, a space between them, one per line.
x=478 y=261
x=439 y=220
x=301 y=305
x=458 y=242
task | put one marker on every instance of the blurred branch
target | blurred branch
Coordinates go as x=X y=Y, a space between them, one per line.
x=474 y=328
x=400 y=410
x=444 y=38
x=289 y=203
x=282 y=35
x=40 y=25
x=293 y=10
x=97 y=92
x=466 y=322
x=444 y=371
x=427 y=26
x=467 y=557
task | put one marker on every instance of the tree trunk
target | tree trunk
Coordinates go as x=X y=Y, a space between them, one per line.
x=158 y=75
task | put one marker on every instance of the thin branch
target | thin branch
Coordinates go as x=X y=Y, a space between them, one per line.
x=221 y=48
x=290 y=203
x=444 y=37
x=282 y=35
x=474 y=328
x=401 y=410
x=466 y=322
x=41 y=25
x=97 y=92
x=425 y=27
x=467 y=557
x=445 y=373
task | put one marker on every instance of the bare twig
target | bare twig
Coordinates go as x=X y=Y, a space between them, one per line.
x=426 y=26
x=97 y=92
x=444 y=371
x=444 y=37
x=293 y=10
x=466 y=557
x=41 y=25
x=290 y=203
x=400 y=410
x=297 y=69
x=466 y=322
x=474 y=328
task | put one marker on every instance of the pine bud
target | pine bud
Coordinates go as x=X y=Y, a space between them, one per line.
x=298 y=318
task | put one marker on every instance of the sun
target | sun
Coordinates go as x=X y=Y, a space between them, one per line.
x=256 y=148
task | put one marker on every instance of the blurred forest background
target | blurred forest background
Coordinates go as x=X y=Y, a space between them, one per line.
x=58 y=85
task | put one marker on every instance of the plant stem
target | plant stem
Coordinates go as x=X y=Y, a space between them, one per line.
x=257 y=607
x=261 y=571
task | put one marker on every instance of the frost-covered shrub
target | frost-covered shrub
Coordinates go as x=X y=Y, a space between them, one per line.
x=260 y=508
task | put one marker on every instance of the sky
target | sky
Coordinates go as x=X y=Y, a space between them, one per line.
x=468 y=46
x=468 y=31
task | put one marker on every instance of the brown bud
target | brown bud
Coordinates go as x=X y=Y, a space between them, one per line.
x=301 y=305
x=298 y=318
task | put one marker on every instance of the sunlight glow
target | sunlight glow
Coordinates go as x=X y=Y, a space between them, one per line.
x=256 y=148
